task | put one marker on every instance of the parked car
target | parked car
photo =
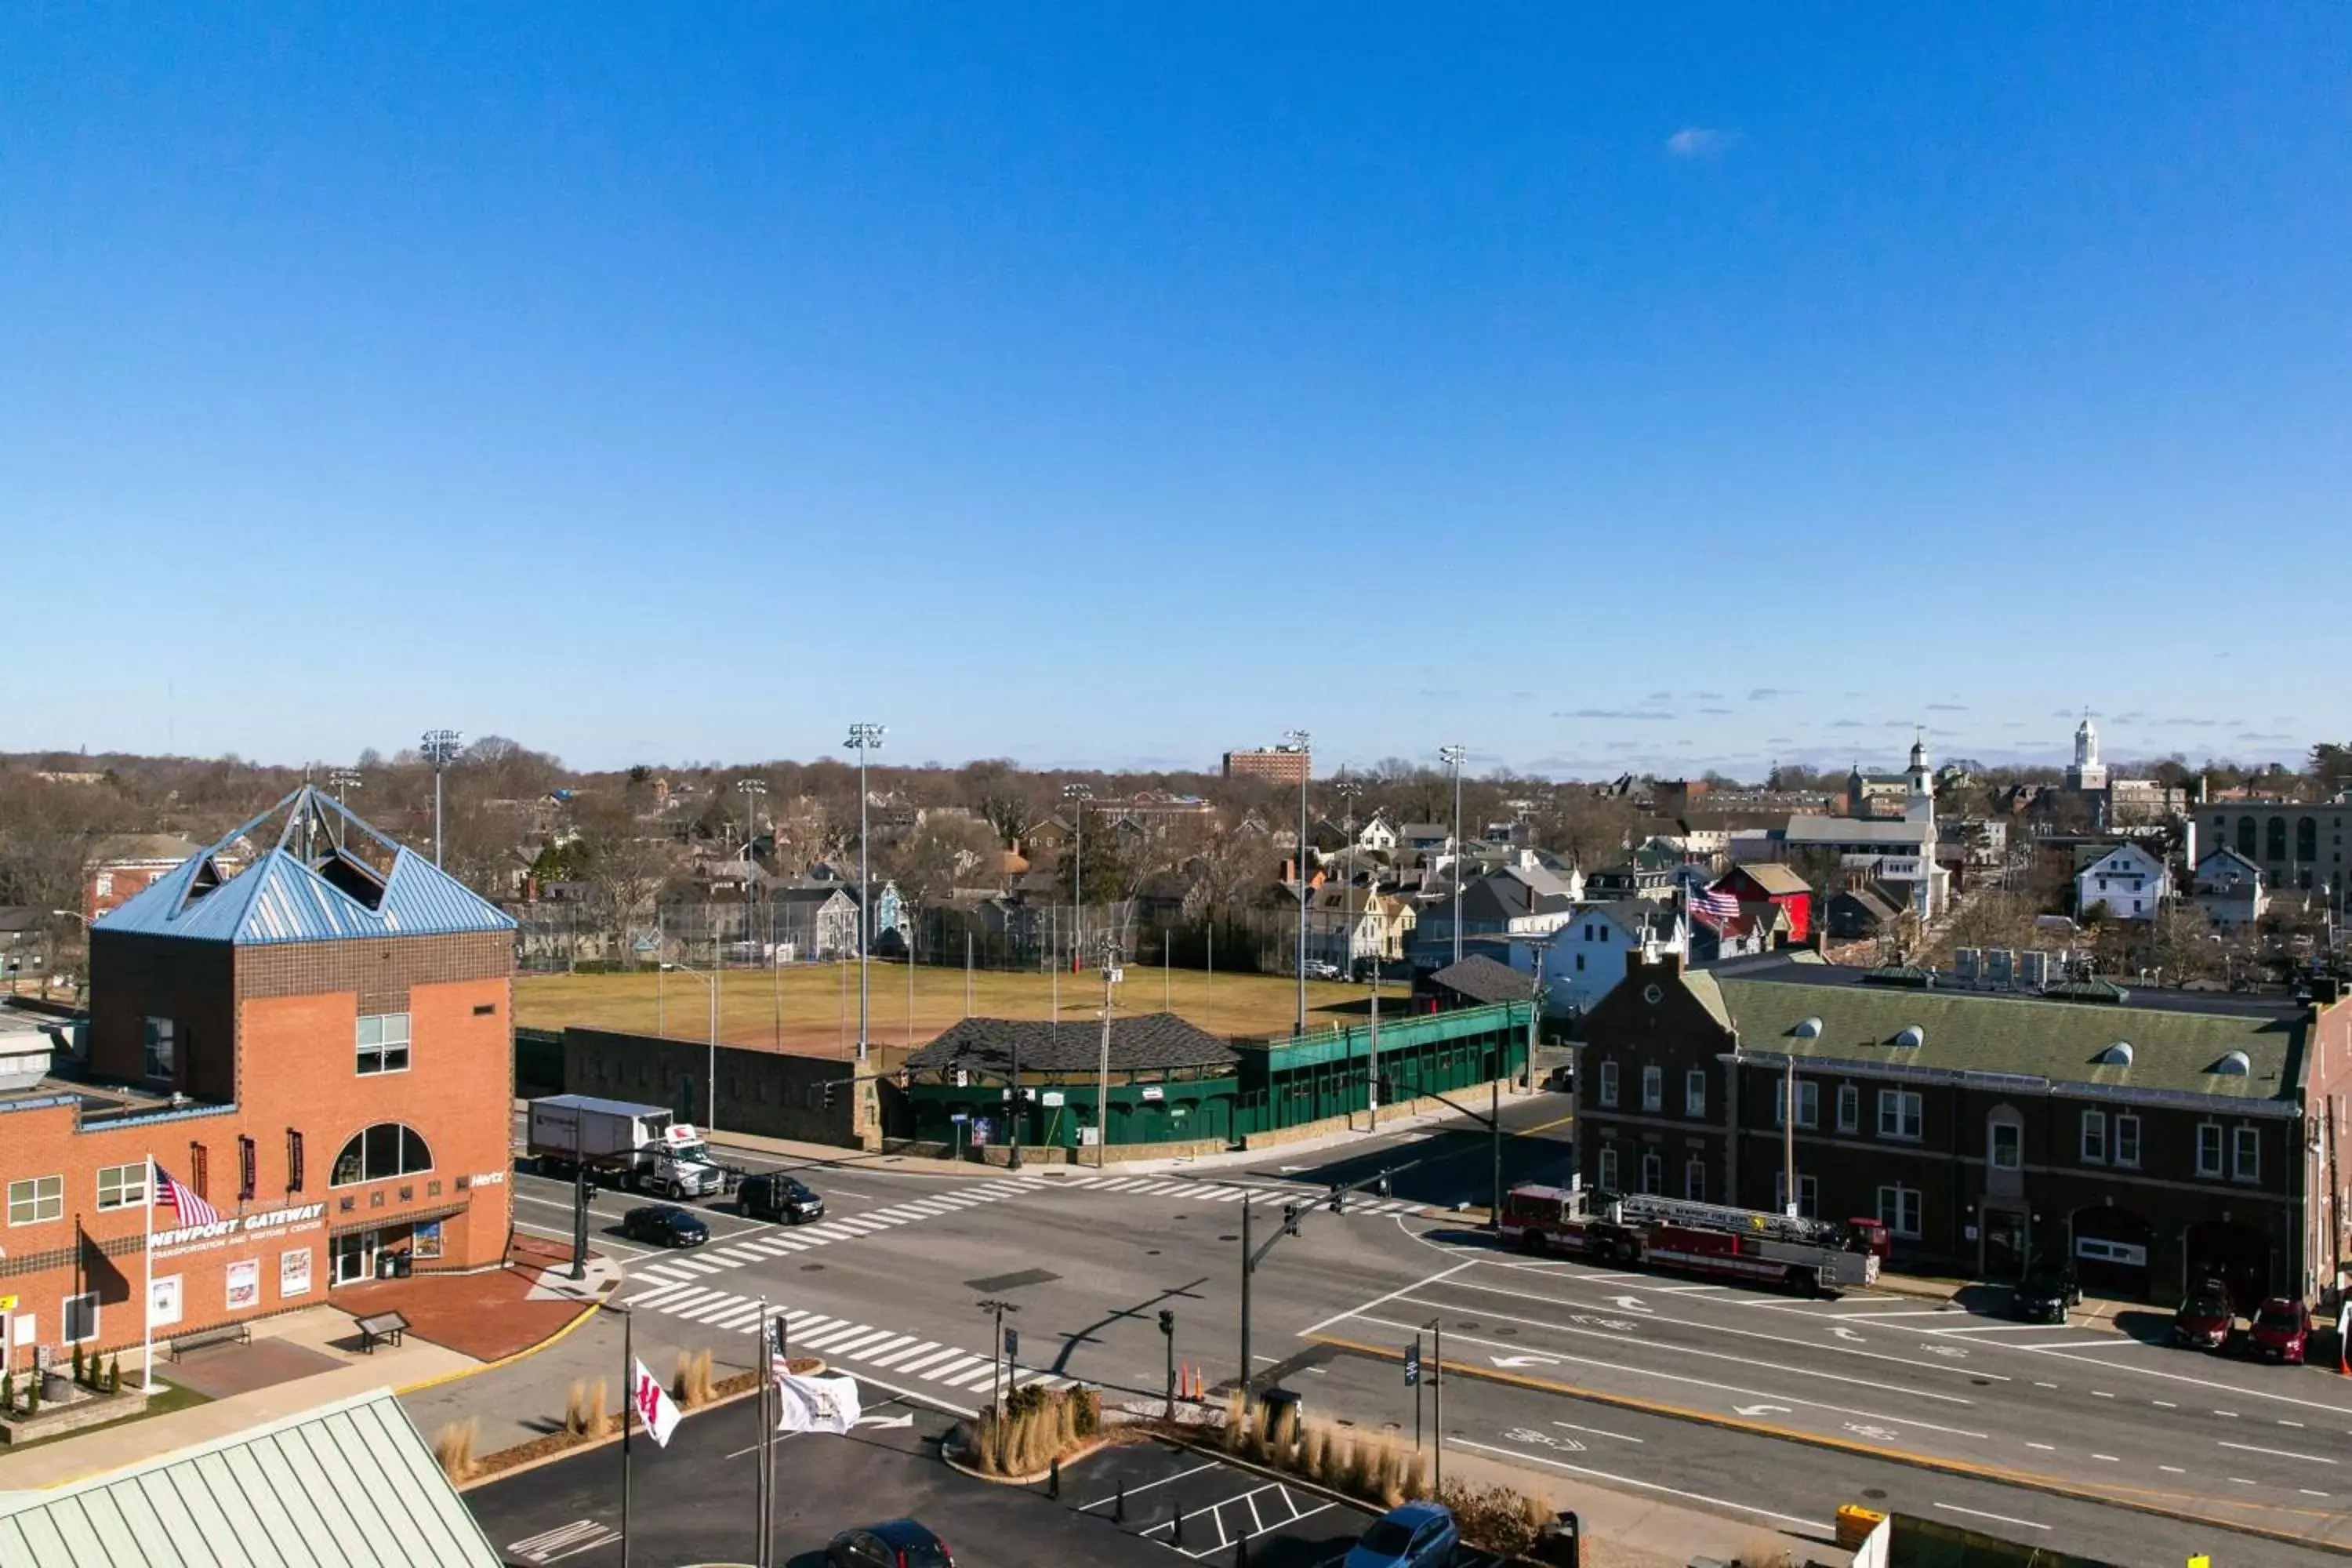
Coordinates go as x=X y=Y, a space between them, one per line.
x=895 y=1543
x=665 y=1225
x=1417 y=1535
x=774 y=1195
x=2281 y=1331
x=1321 y=969
x=2047 y=1292
x=2206 y=1317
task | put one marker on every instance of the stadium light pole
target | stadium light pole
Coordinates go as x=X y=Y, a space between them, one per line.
x=1348 y=789
x=1298 y=741
x=1454 y=756
x=342 y=780
x=750 y=790
x=440 y=747
x=863 y=739
x=1077 y=794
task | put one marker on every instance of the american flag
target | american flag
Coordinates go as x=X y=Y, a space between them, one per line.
x=185 y=1205
x=1715 y=904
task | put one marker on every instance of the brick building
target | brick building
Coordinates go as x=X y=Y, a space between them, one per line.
x=316 y=1038
x=2154 y=1138
x=1276 y=764
x=122 y=867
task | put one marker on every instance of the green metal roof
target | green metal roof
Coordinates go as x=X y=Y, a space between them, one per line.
x=1971 y=1032
x=347 y=1485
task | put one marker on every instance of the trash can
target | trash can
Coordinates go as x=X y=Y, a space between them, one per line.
x=386 y=1264
x=402 y=1263
x=1273 y=1403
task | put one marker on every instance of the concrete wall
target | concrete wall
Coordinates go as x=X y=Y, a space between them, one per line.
x=766 y=1093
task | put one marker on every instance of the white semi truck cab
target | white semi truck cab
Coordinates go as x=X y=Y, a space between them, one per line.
x=638 y=1144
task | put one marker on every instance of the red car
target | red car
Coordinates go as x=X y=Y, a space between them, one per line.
x=2281 y=1331
x=2205 y=1319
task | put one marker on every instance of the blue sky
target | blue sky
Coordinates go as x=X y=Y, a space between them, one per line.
x=1114 y=385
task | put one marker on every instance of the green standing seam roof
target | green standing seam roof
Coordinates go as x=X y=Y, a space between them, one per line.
x=2173 y=1051
x=347 y=1485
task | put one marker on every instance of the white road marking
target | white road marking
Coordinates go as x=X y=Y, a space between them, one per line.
x=2045 y=1447
x=2278 y=1453
x=1812 y=1525
x=1378 y=1301
x=908 y=1354
x=1979 y=1513
x=1597 y=1432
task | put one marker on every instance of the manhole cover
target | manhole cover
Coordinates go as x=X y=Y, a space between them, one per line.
x=1150 y=1252
x=812 y=1268
x=1229 y=1238
x=1981 y=1382
x=1465 y=1323
x=1876 y=1494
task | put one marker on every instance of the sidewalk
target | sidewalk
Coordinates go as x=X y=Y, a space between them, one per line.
x=1632 y=1530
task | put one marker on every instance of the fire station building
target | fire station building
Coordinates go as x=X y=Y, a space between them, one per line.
x=2150 y=1137
x=307 y=1026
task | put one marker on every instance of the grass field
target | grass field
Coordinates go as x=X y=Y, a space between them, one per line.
x=812 y=1009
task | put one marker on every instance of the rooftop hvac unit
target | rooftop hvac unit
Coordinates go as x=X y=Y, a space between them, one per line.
x=1964 y=961
x=2033 y=968
x=1999 y=966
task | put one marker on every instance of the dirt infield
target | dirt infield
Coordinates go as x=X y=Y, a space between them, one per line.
x=812 y=1009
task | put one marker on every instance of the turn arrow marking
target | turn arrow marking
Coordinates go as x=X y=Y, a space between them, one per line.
x=1849 y=1336
x=906 y=1420
x=1762 y=1409
x=1628 y=1303
x=1516 y=1361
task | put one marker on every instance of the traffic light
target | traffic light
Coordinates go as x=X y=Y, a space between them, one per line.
x=1384 y=1183
x=828 y=1094
x=1338 y=1198
x=1290 y=1219
x=1166 y=1322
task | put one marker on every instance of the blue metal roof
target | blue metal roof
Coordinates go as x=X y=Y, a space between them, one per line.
x=285 y=894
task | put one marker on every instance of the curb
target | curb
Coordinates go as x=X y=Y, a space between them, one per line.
x=584 y=1314
x=2024 y=1480
x=1091 y=1447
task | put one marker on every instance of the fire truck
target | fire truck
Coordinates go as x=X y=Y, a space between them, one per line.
x=1816 y=1256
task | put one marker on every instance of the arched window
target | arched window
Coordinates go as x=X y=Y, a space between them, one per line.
x=385 y=1150
x=2246 y=836
x=2306 y=841
x=2275 y=839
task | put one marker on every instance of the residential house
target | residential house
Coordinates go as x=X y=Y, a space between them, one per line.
x=123 y=866
x=1857 y=914
x=2153 y=1139
x=2129 y=880
x=1477 y=981
x=813 y=922
x=1635 y=879
x=2229 y=889
x=1377 y=835
x=1584 y=958
x=1769 y=882
x=1514 y=901
x=1425 y=838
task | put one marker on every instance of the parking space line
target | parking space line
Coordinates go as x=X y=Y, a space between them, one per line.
x=1147 y=1485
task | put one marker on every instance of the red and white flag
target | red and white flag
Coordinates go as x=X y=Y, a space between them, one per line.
x=1715 y=904
x=653 y=1405
x=185 y=1205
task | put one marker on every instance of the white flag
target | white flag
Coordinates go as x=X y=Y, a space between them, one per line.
x=654 y=1407
x=816 y=1404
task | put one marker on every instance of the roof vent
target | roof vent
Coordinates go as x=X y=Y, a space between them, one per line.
x=1808 y=1030
x=2118 y=1055
x=2234 y=1064
x=1911 y=1037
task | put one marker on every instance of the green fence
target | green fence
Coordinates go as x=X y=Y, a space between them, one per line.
x=1288 y=1080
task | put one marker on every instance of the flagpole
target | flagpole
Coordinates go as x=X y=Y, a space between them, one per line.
x=147 y=1288
x=774 y=1349
x=759 y=1487
x=628 y=1402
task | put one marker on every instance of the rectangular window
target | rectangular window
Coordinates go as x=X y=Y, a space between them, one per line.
x=1900 y=1115
x=1899 y=1210
x=2246 y=1154
x=1809 y=1195
x=1694 y=1180
x=1849 y=1107
x=81 y=1318
x=162 y=1055
x=1694 y=1092
x=2128 y=1140
x=246 y=1171
x=1653 y=1175
x=200 y=1169
x=293 y=1160
x=1653 y=1088
x=2209 y=1149
x=35 y=1199
x=2094 y=1137
x=1809 y=1103
x=2007 y=1145
x=122 y=1186
x=383 y=1043
x=1606 y=1174
x=1609 y=1084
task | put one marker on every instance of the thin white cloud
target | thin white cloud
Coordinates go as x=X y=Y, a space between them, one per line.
x=1698 y=141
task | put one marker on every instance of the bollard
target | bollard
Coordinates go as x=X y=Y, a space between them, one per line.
x=1119 y=1505
x=1054 y=1479
x=1241 y=1552
x=1176 y=1534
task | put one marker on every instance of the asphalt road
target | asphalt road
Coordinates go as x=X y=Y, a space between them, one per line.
x=1749 y=1404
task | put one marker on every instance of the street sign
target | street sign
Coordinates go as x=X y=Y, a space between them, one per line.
x=1050 y=1098
x=1413 y=1365
x=959 y=1116
x=1012 y=1344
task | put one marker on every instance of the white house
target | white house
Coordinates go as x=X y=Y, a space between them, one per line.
x=1377 y=835
x=2229 y=889
x=1584 y=959
x=2130 y=881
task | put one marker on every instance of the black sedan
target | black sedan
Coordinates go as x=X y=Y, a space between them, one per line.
x=898 y=1544
x=665 y=1224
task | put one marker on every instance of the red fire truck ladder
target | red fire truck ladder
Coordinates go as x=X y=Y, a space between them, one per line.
x=1722 y=1216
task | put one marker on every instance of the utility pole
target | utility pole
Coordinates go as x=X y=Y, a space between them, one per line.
x=1789 y=1133
x=1300 y=743
x=998 y=1376
x=1437 y=1402
x=863 y=739
x=1111 y=976
x=1077 y=794
x=1348 y=789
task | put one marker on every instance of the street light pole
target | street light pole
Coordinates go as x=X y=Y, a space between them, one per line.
x=1102 y=1068
x=863 y=739
x=1298 y=741
x=440 y=746
x=1078 y=794
x=1348 y=789
x=711 y=984
x=1454 y=756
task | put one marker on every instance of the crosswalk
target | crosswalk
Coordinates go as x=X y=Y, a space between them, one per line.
x=850 y=1346
x=1234 y=1192
x=783 y=1241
